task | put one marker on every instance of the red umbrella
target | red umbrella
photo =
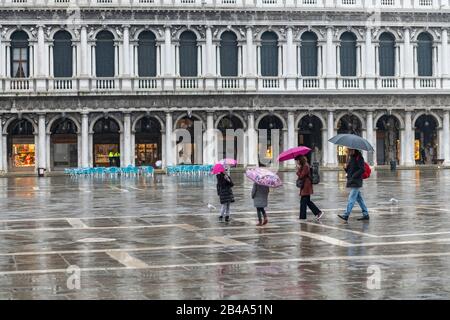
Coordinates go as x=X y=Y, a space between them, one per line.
x=292 y=153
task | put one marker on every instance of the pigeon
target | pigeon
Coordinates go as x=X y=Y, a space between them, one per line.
x=393 y=201
x=211 y=207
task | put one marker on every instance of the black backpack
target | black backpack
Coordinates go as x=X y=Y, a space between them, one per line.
x=314 y=175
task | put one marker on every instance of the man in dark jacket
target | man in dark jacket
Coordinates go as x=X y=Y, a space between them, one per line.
x=355 y=170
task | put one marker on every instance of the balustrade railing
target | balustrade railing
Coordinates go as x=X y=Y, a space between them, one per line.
x=416 y=4
x=63 y=84
x=20 y=85
x=348 y=83
x=388 y=83
x=105 y=84
x=147 y=84
x=426 y=83
x=230 y=83
x=270 y=83
x=188 y=83
x=219 y=84
x=310 y=83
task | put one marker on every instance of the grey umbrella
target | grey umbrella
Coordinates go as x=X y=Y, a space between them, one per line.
x=352 y=141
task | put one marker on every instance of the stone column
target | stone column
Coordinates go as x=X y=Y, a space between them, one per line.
x=252 y=141
x=41 y=60
x=330 y=53
x=210 y=145
x=408 y=58
x=209 y=61
x=169 y=63
x=370 y=137
x=2 y=168
x=370 y=61
x=251 y=60
x=126 y=139
x=126 y=81
x=291 y=136
x=444 y=63
x=409 y=140
x=290 y=61
x=2 y=65
x=85 y=140
x=332 y=156
x=169 y=161
x=324 y=146
x=446 y=137
x=42 y=155
x=84 y=61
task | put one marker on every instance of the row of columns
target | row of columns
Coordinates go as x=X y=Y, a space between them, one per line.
x=288 y=138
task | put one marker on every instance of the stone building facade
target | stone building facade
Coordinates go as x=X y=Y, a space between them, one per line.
x=80 y=79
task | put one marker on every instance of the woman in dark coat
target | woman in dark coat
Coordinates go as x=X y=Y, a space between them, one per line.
x=304 y=175
x=225 y=193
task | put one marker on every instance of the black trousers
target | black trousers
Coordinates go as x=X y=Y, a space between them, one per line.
x=305 y=201
x=261 y=213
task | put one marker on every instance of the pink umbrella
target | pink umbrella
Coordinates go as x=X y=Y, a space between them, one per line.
x=264 y=177
x=228 y=162
x=218 y=168
x=292 y=153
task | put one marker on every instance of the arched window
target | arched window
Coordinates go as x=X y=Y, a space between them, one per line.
x=308 y=54
x=62 y=54
x=387 y=55
x=228 y=54
x=188 y=54
x=64 y=126
x=147 y=54
x=269 y=54
x=348 y=54
x=21 y=127
x=425 y=55
x=20 y=59
x=104 y=54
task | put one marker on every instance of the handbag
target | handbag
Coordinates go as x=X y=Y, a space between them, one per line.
x=300 y=183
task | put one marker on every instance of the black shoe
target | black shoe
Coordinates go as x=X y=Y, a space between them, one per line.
x=220 y=218
x=343 y=217
x=227 y=218
x=363 y=218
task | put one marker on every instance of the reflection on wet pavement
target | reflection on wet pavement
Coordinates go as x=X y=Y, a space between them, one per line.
x=156 y=238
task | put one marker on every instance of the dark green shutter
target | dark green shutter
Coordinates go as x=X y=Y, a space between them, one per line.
x=425 y=55
x=104 y=54
x=62 y=55
x=387 y=55
x=147 y=54
x=348 y=55
x=228 y=55
x=269 y=55
x=188 y=54
x=308 y=54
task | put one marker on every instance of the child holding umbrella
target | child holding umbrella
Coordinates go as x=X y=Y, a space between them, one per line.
x=263 y=180
x=224 y=191
x=259 y=195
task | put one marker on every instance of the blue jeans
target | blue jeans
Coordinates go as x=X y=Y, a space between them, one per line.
x=355 y=196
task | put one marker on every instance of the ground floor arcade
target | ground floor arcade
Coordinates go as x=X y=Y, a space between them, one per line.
x=56 y=139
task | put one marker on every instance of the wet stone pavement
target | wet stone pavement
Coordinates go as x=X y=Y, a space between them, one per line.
x=156 y=238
